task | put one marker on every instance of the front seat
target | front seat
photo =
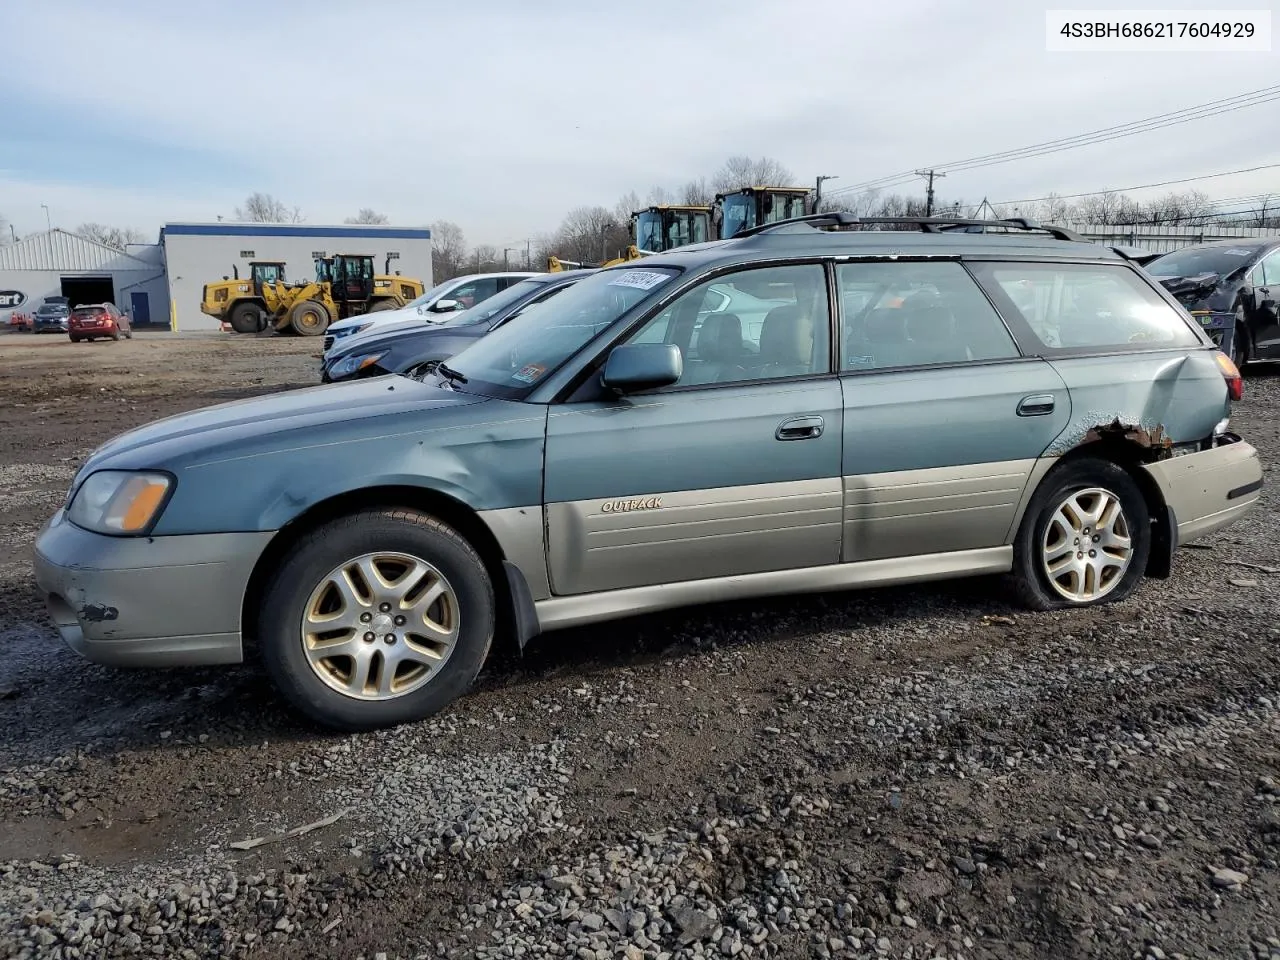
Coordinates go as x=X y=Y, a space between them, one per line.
x=720 y=351
x=786 y=343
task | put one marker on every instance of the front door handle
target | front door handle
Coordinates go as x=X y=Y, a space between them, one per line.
x=799 y=428
x=1036 y=406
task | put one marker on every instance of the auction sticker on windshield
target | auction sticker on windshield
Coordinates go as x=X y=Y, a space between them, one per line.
x=640 y=279
x=529 y=372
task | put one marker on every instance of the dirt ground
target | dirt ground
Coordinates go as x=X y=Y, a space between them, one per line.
x=912 y=772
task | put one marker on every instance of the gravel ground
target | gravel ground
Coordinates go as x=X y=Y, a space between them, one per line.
x=924 y=772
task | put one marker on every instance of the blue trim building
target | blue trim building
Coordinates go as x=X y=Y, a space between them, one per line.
x=194 y=254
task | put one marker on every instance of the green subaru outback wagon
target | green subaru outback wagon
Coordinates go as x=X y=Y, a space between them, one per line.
x=810 y=406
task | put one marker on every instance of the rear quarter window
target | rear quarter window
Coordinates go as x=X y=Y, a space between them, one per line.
x=1074 y=307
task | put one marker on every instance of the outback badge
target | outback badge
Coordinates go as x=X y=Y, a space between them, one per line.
x=626 y=506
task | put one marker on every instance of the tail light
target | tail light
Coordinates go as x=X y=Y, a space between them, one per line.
x=1231 y=373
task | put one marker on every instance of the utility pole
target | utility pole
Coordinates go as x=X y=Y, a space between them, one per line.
x=505 y=263
x=817 y=191
x=528 y=254
x=928 y=197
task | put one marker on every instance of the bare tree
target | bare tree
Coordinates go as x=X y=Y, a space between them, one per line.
x=117 y=238
x=6 y=231
x=448 y=250
x=743 y=171
x=696 y=193
x=590 y=235
x=264 y=208
x=368 y=215
x=627 y=204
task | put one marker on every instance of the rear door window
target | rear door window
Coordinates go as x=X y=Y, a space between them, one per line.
x=916 y=314
x=1075 y=307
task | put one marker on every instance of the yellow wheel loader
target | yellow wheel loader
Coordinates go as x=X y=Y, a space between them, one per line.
x=664 y=227
x=344 y=286
x=754 y=206
x=242 y=303
x=556 y=265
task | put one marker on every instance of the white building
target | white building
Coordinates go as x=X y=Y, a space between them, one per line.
x=162 y=284
x=198 y=253
x=57 y=263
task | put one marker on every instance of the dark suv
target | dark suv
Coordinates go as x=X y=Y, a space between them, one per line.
x=1230 y=287
x=51 y=316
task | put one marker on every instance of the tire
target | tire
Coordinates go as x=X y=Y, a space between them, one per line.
x=74 y=338
x=309 y=318
x=1241 y=349
x=1095 y=479
x=380 y=305
x=115 y=335
x=329 y=691
x=128 y=334
x=246 y=318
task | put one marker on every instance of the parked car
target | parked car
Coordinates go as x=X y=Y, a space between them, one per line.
x=51 y=316
x=98 y=321
x=420 y=347
x=434 y=306
x=1020 y=403
x=1231 y=288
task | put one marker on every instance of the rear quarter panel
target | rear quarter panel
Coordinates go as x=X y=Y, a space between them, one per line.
x=1181 y=392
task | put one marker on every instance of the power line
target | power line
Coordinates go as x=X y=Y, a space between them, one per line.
x=1103 y=135
x=1141 y=186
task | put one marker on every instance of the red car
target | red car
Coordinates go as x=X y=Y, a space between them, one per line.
x=91 y=321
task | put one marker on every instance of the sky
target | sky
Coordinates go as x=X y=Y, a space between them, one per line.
x=501 y=115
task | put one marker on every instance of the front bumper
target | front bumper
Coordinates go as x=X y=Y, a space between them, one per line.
x=1207 y=491
x=146 y=601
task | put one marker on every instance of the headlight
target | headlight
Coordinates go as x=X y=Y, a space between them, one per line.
x=350 y=331
x=355 y=363
x=118 y=501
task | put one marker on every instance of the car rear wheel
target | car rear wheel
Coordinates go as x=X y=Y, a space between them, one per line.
x=377 y=618
x=74 y=338
x=1241 y=350
x=246 y=318
x=115 y=335
x=309 y=318
x=1084 y=539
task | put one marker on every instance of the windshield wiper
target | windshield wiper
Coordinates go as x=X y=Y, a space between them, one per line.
x=453 y=376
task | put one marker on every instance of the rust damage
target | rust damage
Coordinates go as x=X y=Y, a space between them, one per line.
x=1157 y=444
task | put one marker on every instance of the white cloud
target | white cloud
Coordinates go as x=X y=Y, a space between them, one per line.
x=503 y=115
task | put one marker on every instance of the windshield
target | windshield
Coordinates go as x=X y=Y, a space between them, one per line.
x=512 y=360
x=487 y=309
x=739 y=214
x=1198 y=260
x=48 y=308
x=649 y=231
x=431 y=294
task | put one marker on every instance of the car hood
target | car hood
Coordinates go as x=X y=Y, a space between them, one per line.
x=247 y=426
x=397 y=336
x=1203 y=291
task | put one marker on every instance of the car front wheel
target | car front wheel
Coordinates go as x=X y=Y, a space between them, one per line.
x=376 y=619
x=1084 y=539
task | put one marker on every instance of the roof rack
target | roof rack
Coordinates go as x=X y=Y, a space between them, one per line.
x=843 y=218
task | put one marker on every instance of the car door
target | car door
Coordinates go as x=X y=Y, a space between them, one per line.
x=733 y=470
x=1264 y=324
x=944 y=419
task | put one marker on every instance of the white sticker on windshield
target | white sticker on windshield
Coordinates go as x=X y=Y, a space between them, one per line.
x=640 y=279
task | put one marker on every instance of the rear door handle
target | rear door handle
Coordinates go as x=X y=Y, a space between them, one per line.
x=1036 y=406
x=799 y=428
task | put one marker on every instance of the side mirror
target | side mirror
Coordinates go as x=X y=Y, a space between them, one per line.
x=633 y=367
x=445 y=306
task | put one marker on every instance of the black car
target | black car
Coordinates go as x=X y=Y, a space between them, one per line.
x=51 y=316
x=421 y=347
x=1231 y=288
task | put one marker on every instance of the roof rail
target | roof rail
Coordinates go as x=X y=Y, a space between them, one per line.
x=843 y=218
